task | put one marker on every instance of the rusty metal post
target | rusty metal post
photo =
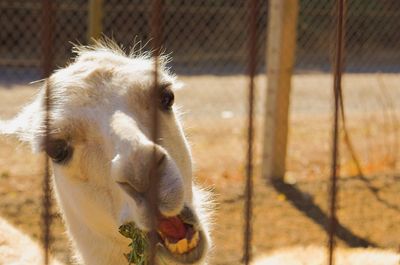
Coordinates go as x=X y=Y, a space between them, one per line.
x=47 y=67
x=47 y=36
x=337 y=88
x=153 y=194
x=252 y=68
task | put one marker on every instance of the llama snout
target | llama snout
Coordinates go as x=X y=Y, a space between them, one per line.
x=135 y=177
x=171 y=188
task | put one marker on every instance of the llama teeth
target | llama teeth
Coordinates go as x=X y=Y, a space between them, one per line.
x=194 y=241
x=182 y=246
x=171 y=246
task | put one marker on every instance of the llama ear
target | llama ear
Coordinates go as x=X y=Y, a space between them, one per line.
x=27 y=126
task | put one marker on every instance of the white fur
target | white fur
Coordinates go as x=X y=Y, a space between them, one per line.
x=313 y=255
x=17 y=248
x=101 y=104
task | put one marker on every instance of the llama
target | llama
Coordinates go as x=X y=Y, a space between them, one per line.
x=101 y=151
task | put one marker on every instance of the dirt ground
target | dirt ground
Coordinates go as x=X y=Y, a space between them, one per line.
x=285 y=214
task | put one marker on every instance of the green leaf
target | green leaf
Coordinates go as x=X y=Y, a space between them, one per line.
x=139 y=245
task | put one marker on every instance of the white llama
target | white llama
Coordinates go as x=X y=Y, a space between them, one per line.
x=101 y=150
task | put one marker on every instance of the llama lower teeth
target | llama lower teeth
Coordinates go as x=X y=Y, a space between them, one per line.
x=183 y=245
x=171 y=246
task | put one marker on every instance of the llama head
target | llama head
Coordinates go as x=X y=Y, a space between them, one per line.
x=100 y=143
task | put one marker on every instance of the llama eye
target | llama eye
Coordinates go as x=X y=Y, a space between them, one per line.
x=167 y=99
x=59 y=151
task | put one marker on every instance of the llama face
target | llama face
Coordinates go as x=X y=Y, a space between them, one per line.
x=102 y=152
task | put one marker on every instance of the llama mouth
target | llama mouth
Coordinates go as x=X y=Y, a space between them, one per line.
x=180 y=238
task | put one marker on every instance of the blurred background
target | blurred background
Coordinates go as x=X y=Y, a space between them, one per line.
x=207 y=43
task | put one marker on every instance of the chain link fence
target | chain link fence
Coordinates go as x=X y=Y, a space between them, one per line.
x=204 y=37
x=207 y=41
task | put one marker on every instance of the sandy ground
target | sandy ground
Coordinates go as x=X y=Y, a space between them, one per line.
x=214 y=116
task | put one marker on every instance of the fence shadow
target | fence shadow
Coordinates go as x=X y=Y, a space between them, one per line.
x=301 y=201
x=375 y=192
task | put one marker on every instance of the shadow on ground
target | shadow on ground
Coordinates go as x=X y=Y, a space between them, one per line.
x=301 y=202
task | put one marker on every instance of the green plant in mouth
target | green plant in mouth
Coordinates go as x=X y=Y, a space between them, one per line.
x=139 y=245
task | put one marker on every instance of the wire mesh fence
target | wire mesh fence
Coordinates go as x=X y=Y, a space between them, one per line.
x=207 y=44
x=204 y=36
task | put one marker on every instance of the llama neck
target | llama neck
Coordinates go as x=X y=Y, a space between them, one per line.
x=96 y=249
x=96 y=240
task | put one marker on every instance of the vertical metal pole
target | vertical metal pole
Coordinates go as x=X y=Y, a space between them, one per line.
x=46 y=199
x=47 y=37
x=156 y=34
x=95 y=16
x=252 y=67
x=47 y=66
x=337 y=87
x=280 y=57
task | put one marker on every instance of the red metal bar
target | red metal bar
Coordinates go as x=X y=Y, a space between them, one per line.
x=47 y=37
x=46 y=189
x=156 y=35
x=252 y=67
x=47 y=67
x=337 y=88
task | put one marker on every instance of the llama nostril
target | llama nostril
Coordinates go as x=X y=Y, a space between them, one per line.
x=138 y=197
x=157 y=165
x=158 y=156
x=161 y=160
x=137 y=172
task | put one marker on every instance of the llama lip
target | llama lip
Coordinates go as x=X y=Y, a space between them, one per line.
x=180 y=238
x=177 y=255
x=181 y=245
